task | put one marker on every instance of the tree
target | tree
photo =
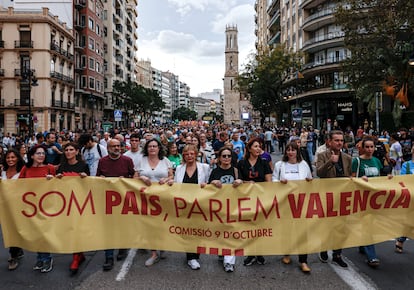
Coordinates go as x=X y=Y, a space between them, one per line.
x=142 y=101
x=184 y=114
x=379 y=35
x=264 y=76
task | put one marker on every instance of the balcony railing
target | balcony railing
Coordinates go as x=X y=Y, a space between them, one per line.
x=79 y=4
x=23 y=44
x=319 y=14
x=61 y=51
x=62 y=77
x=23 y=102
x=329 y=36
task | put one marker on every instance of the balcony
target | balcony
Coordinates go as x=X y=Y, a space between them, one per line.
x=56 y=103
x=79 y=25
x=323 y=42
x=61 y=51
x=319 y=19
x=79 y=4
x=23 y=44
x=22 y=102
x=62 y=77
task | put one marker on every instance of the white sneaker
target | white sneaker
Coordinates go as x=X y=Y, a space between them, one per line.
x=194 y=264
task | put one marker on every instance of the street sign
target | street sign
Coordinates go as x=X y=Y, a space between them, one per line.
x=118 y=115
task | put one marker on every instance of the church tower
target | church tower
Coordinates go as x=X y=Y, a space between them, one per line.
x=231 y=101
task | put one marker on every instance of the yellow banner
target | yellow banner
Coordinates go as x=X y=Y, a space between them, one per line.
x=74 y=214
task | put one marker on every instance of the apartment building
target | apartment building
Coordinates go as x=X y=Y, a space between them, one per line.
x=89 y=63
x=120 y=38
x=144 y=73
x=36 y=71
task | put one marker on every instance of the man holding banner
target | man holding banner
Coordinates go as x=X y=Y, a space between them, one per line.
x=334 y=163
x=115 y=165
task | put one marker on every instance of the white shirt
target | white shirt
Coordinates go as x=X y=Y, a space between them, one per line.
x=154 y=174
x=91 y=157
x=135 y=156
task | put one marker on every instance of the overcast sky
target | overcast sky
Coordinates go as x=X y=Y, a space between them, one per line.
x=187 y=37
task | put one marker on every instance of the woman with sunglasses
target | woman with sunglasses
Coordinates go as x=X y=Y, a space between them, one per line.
x=193 y=172
x=154 y=167
x=293 y=167
x=225 y=173
x=37 y=167
x=252 y=168
x=73 y=165
x=12 y=165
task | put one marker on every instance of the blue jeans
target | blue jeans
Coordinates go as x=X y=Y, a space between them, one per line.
x=43 y=256
x=370 y=252
x=109 y=253
x=309 y=148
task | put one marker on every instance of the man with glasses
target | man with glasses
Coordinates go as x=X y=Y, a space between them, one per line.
x=115 y=165
x=330 y=164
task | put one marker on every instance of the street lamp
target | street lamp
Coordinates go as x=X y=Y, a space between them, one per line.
x=29 y=77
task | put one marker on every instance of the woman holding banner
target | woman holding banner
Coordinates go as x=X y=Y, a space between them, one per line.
x=193 y=172
x=366 y=166
x=73 y=165
x=252 y=168
x=37 y=167
x=154 y=167
x=293 y=167
x=225 y=173
x=12 y=165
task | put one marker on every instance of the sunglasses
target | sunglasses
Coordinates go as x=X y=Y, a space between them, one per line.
x=226 y=156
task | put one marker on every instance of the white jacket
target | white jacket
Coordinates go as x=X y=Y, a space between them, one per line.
x=203 y=171
x=279 y=171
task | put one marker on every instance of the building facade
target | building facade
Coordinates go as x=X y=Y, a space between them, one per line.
x=89 y=64
x=120 y=37
x=36 y=72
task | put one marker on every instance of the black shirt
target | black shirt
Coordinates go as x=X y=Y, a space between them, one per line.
x=192 y=179
x=256 y=172
x=226 y=176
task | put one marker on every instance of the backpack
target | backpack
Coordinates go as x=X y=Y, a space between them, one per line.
x=99 y=150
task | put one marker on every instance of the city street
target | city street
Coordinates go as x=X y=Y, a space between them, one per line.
x=173 y=272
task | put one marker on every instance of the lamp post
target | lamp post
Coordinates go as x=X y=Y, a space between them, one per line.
x=29 y=77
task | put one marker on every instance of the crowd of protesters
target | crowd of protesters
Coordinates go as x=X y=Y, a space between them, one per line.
x=207 y=154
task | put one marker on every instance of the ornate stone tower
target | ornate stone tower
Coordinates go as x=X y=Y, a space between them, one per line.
x=231 y=103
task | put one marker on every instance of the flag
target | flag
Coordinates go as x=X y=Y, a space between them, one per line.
x=299 y=75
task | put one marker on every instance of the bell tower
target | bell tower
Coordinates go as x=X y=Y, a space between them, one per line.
x=231 y=102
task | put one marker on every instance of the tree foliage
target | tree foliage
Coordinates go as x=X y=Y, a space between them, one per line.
x=379 y=35
x=184 y=114
x=264 y=76
x=142 y=101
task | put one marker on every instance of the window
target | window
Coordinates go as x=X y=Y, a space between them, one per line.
x=84 y=83
x=91 y=24
x=98 y=67
x=83 y=61
x=91 y=44
x=98 y=30
x=91 y=63
x=91 y=83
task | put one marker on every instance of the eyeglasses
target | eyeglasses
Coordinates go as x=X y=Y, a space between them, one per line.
x=226 y=156
x=152 y=146
x=115 y=146
x=40 y=153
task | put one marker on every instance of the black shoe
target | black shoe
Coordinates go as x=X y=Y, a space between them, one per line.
x=20 y=254
x=337 y=259
x=221 y=258
x=261 y=260
x=38 y=265
x=122 y=254
x=47 y=266
x=361 y=250
x=109 y=264
x=323 y=256
x=250 y=260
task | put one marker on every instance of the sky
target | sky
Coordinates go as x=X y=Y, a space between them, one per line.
x=187 y=38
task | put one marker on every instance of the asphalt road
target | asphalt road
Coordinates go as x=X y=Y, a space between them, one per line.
x=173 y=273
